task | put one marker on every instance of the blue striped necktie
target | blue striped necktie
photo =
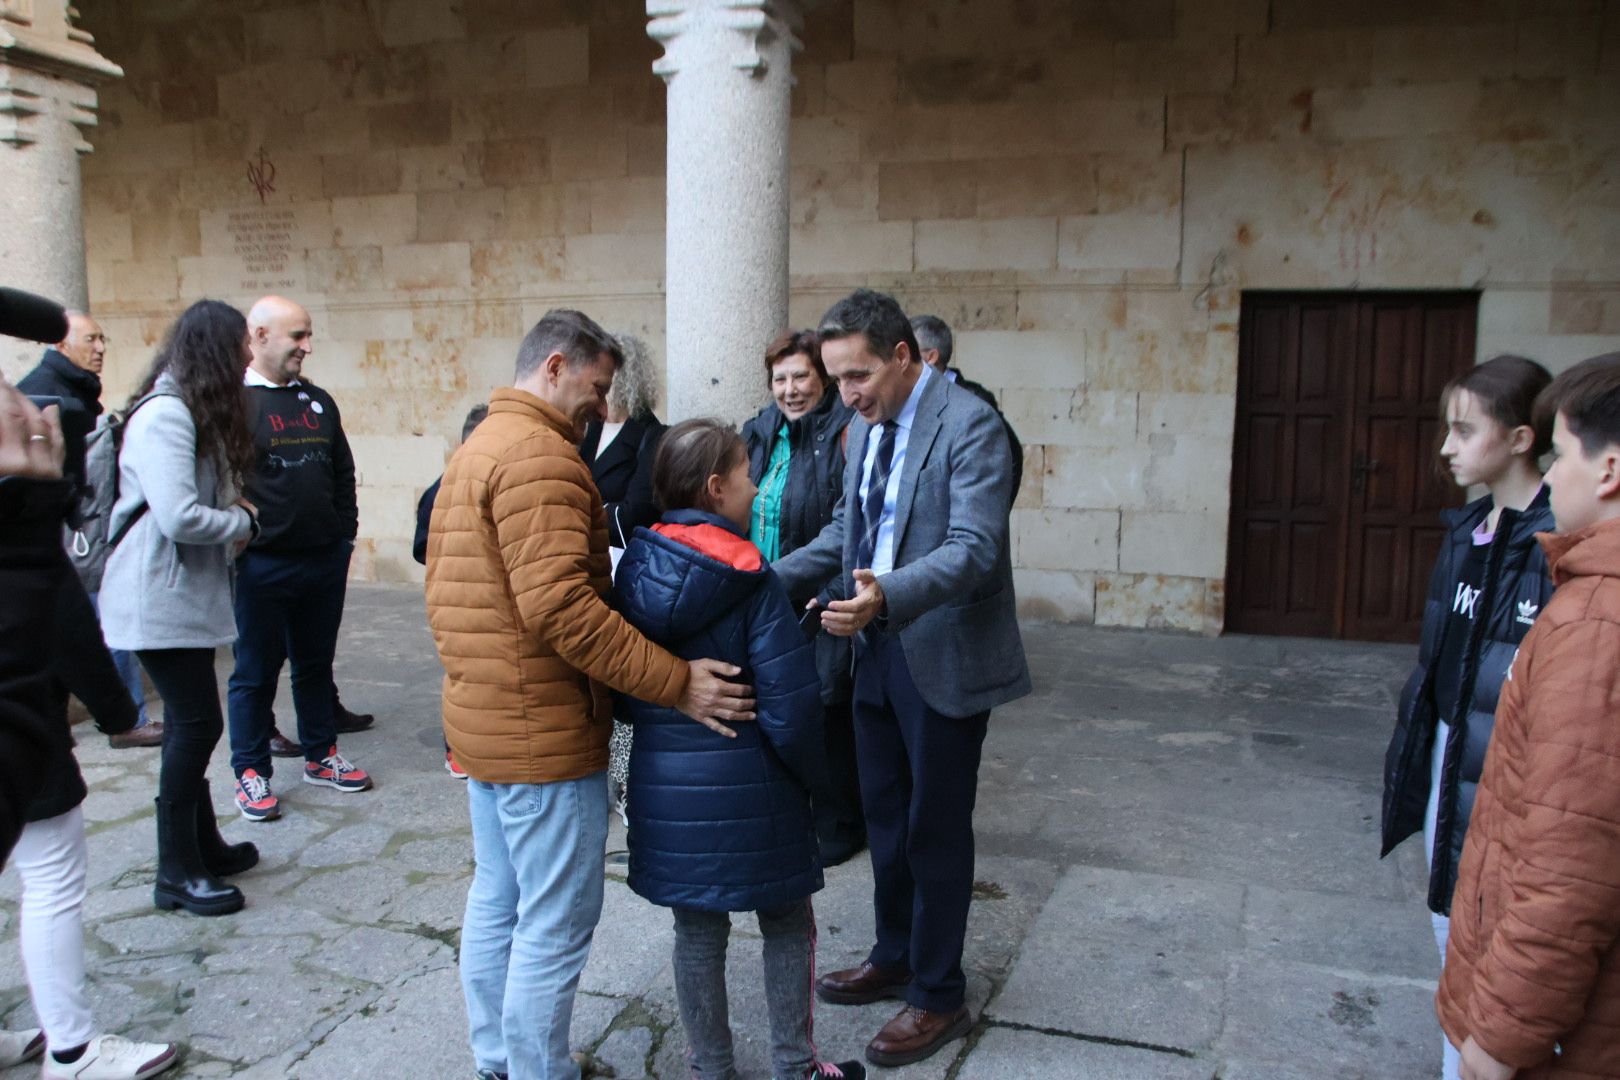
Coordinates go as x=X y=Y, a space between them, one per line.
x=872 y=506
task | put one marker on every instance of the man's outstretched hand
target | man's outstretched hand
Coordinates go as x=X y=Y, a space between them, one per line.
x=711 y=697
x=846 y=618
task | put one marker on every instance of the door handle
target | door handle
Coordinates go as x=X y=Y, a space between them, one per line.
x=1361 y=468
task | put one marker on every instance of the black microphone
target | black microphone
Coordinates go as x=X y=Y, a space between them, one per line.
x=33 y=318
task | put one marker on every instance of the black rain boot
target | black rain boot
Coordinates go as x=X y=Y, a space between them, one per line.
x=182 y=879
x=221 y=859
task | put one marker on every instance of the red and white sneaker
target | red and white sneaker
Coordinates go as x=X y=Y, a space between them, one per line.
x=254 y=798
x=334 y=771
x=451 y=767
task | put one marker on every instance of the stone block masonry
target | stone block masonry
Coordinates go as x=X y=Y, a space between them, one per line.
x=1083 y=190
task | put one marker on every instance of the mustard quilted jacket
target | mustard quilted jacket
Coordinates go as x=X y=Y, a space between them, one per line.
x=517 y=574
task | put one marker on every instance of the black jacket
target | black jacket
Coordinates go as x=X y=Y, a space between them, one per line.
x=623 y=474
x=424 y=518
x=57 y=376
x=1516 y=588
x=815 y=484
x=983 y=394
x=80 y=664
x=32 y=566
x=80 y=392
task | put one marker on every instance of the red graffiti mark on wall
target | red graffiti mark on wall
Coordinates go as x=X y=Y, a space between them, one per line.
x=262 y=175
x=1360 y=218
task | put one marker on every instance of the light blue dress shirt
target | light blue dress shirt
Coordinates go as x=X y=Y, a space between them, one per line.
x=883 y=547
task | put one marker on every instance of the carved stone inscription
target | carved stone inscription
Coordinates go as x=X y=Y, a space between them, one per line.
x=262 y=238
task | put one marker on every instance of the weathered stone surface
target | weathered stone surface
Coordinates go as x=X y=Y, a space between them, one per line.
x=1004 y=1054
x=1120 y=172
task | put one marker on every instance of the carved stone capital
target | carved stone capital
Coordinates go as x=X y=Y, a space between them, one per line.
x=690 y=30
x=48 y=67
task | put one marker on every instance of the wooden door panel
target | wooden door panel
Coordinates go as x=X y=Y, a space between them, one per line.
x=1290 y=453
x=1309 y=575
x=1334 y=490
x=1377 y=592
x=1409 y=347
x=1265 y=475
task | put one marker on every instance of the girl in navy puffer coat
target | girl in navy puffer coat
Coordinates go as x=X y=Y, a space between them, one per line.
x=720 y=825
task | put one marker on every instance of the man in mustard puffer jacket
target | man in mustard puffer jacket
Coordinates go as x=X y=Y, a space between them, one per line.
x=1531 y=987
x=517 y=571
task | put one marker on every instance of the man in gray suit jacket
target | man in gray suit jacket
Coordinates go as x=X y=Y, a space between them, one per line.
x=921 y=534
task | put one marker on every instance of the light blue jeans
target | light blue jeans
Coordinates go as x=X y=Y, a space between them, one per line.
x=129 y=672
x=535 y=898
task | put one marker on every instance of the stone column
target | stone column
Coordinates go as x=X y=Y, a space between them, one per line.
x=728 y=67
x=49 y=70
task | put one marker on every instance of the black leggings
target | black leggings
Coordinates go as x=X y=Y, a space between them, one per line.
x=192 y=720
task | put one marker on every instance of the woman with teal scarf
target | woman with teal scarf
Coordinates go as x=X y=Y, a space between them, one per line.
x=796 y=458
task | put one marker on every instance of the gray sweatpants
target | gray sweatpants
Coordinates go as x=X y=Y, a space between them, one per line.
x=700 y=988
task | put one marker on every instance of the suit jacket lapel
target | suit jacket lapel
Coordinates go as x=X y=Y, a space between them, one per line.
x=854 y=461
x=925 y=427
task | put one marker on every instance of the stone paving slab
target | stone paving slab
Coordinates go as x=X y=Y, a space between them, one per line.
x=1176 y=846
x=1346 y=1023
x=1004 y=1054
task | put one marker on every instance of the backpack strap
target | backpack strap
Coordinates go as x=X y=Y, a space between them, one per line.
x=123 y=419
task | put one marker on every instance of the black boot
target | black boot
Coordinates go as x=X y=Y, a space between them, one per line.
x=182 y=879
x=221 y=859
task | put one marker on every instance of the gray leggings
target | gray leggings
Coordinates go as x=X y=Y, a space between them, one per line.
x=700 y=988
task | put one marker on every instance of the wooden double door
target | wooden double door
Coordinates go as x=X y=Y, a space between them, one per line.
x=1335 y=490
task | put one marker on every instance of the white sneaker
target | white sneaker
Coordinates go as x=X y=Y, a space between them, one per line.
x=112 y=1057
x=17 y=1047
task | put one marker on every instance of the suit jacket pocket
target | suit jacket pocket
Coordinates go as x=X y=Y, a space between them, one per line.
x=984 y=642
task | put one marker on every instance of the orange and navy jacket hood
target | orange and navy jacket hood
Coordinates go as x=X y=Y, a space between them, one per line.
x=686 y=573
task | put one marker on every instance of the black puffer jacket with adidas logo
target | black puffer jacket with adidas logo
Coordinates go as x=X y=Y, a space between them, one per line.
x=1515 y=589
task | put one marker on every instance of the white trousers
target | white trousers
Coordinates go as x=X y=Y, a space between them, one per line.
x=52 y=858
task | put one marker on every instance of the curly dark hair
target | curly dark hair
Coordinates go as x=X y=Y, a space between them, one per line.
x=203 y=352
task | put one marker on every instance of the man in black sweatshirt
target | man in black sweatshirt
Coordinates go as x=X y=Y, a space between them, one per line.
x=290 y=582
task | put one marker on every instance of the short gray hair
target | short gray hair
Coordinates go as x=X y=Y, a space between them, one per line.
x=635 y=386
x=934 y=333
x=572 y=333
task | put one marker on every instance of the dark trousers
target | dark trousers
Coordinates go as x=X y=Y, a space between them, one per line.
x=919 y=780
x=192 y=722
x=836 y=803
x=288 y=607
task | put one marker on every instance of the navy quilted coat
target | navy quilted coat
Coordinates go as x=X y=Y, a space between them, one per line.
x=721 y=824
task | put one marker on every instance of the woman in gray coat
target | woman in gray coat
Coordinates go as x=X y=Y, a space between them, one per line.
x=167 y=591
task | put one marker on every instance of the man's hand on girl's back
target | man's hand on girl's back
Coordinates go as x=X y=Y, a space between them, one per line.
x=712 y=697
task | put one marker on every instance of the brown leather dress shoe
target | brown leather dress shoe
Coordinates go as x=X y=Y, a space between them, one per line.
x=861 y=985
x=915 y=1034
x=281 y=746
x=148 y=734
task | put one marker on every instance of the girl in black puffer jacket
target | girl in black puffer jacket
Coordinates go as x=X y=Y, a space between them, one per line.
x=1489 y=584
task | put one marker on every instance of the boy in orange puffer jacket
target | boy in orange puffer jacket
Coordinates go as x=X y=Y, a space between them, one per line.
x=1531 y=986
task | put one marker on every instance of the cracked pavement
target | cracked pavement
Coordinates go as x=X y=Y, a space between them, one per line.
x=1177 y=867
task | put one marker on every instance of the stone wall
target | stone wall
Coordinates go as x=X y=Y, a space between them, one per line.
x=1082 y=189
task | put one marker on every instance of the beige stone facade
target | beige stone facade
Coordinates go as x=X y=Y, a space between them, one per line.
x=1084 y=190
